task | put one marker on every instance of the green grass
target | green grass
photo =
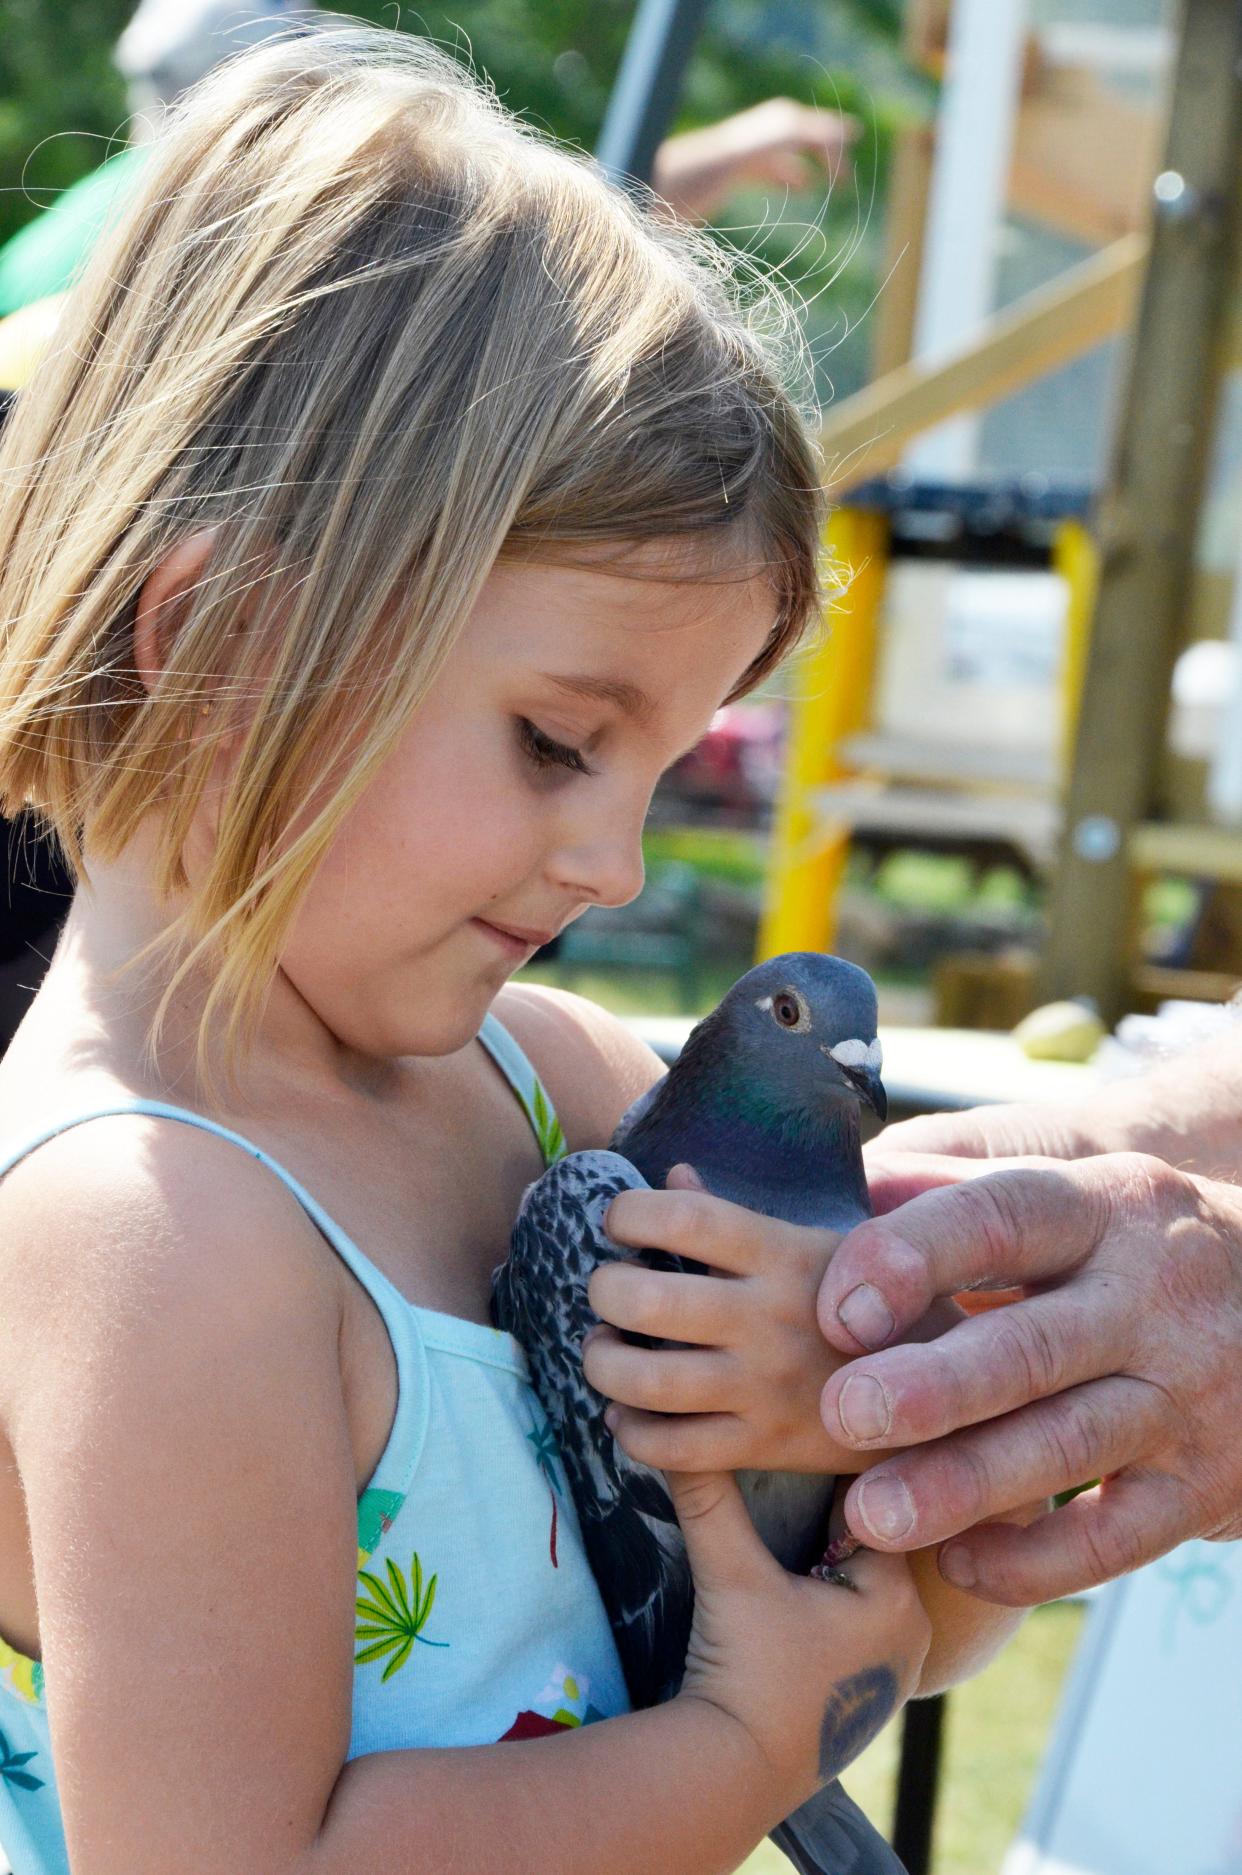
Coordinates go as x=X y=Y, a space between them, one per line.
x=996 y=1735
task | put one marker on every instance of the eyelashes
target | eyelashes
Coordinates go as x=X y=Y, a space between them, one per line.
x=544 y=752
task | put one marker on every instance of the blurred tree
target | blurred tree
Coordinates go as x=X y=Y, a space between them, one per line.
x=552 y=61
x=61 y=99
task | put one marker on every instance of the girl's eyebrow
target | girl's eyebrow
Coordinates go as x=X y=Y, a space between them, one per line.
x=628 y=698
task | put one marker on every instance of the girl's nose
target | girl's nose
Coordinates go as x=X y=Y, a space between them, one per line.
x=607 y=870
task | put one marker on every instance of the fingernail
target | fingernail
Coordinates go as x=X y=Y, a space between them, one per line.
x=956 y=1566
x=610 y=1418
x=885 y=1506
x=865 y=1410
x=867 y=1316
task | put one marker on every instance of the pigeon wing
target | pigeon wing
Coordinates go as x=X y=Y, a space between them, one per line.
x=633 y=1541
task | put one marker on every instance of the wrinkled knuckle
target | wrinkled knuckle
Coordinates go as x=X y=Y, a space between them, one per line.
x=1148 y=1181
x=1113 y=1549
x=967 y=1485
x=1027 y=1348
x=1072 y=1439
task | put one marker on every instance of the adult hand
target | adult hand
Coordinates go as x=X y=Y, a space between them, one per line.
x=1121 y=1361
x=1000 y=1132
x=779 y=142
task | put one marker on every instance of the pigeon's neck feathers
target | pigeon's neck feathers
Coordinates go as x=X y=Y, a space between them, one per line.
x=781 y=1158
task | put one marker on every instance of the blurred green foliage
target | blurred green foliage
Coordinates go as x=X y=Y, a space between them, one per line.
x=552 y=61
x=61 y=101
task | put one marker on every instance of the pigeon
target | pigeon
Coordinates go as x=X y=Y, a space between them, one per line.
x=764 y=1103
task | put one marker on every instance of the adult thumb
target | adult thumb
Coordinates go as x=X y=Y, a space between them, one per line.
x=723 y=1548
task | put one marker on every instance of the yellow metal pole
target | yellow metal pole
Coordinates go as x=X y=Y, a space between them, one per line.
x=832 y=701
x=1076 y=558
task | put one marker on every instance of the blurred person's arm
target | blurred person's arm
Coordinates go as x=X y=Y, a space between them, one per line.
x=778 y=142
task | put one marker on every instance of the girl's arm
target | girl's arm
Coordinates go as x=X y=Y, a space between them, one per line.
x=171 y=1389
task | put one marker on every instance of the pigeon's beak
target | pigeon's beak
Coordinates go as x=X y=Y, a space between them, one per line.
x=859 y=1064
x=869 y=1087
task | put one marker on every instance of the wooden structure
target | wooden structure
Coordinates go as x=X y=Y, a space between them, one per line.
x=1176 y=287
x=1148 y=521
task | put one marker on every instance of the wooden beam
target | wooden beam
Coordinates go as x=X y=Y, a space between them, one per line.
x=867 y=434
x=1150 y=516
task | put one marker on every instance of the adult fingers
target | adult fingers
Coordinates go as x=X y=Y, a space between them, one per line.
x=894 y=1178
x=690 y=1224
x=934 y=1492
x=1016 y=1226
x=982 y=1367
x=704 y=1310
x=1128 y=1521
x=666 y=1380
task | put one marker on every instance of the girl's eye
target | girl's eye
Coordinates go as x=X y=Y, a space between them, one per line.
x=545 y=752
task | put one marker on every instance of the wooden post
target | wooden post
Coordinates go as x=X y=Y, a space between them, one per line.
x=1149 y=517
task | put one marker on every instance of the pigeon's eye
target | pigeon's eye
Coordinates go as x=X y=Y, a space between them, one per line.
x=790 y=1010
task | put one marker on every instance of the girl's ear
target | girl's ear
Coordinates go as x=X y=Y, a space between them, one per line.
x=163 y=598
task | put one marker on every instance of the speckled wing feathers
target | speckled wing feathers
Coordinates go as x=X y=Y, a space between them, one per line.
x=632 y=1538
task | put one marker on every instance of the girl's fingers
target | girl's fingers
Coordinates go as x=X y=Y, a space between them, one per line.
x=701 y=1309
x=665 y=1380
x=680 y=1441
x=723 y=1550
x=690 y=1224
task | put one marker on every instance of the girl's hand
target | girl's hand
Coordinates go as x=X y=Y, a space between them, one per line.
x=810 y=1670
x=742 y=1390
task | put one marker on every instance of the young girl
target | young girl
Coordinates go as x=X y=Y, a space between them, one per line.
x=399 y=502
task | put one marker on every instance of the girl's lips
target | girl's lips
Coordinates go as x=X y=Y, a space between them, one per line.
x=516 y=940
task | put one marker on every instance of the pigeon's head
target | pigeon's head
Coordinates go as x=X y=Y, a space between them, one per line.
x=805 y=1024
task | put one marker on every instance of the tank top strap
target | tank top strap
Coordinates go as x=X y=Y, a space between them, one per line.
x=391 y=1479
x=531 y=1094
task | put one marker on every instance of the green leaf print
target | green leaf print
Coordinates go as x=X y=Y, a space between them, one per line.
x=548 y=1129
x=392 y=1617
x=10 y=1763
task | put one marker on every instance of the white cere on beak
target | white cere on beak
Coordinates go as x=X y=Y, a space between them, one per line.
x=858 y=1054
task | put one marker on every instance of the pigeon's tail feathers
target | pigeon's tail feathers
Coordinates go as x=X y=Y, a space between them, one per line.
x=830 y=1835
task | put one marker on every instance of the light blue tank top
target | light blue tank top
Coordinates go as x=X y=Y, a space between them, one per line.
x=477 y=1616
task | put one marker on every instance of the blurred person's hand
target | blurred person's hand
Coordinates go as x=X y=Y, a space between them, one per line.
x=1120 y=1360
x=779 y=142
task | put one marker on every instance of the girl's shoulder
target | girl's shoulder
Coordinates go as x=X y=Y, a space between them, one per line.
x=125 y=1217
x=592 y=1065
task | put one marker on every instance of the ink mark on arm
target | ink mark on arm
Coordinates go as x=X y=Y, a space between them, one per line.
x=857 y=1709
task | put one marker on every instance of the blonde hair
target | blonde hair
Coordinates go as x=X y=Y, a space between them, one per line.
x=378 y=335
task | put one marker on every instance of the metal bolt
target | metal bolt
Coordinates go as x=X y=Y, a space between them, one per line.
x=1097 y=838
x=1176 y=199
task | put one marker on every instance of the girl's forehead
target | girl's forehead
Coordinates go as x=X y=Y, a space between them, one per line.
x=643 y=602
